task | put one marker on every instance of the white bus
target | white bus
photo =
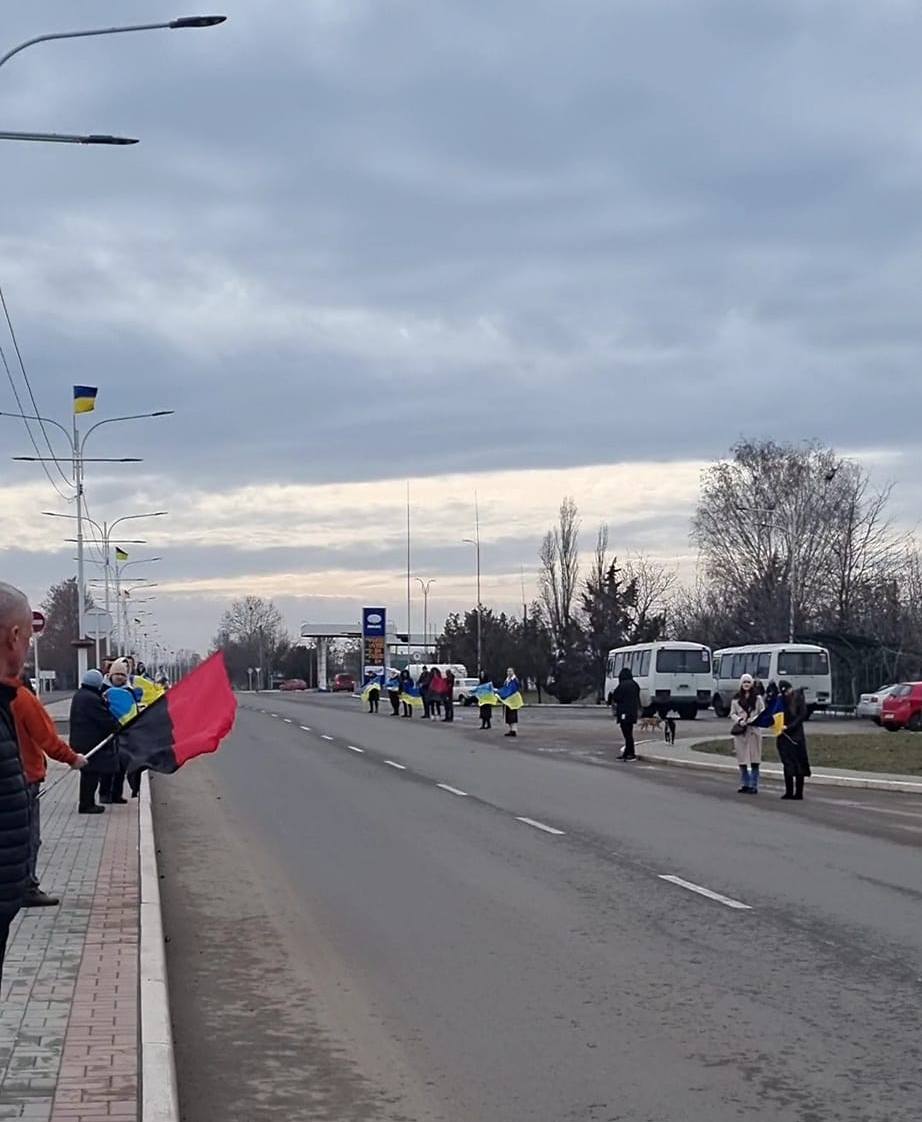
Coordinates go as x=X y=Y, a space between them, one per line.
x=805 y=666
x=671 y=676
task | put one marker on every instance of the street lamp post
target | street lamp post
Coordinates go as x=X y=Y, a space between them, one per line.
x=96 y=138
x=105 y=531
x=476 y=543
x=425 y=585
x=78 y=459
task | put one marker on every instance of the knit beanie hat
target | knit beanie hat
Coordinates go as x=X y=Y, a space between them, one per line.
x=120 y=666
x=93 y=679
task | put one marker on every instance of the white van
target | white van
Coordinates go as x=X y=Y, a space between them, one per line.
x=670 y=675
x=457 y=668
x=804 y=665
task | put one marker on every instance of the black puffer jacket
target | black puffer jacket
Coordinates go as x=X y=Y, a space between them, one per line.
x=14 y=812
x=626 y=698
x=90 y=723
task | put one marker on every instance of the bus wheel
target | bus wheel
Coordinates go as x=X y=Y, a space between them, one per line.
x=688 y=712
x=721 y=710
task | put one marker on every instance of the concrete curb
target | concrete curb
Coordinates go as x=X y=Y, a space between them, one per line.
x=159 y=1094
x=859 y=782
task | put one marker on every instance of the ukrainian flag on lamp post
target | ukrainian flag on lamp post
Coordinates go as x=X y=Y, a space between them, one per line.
x=85 y=399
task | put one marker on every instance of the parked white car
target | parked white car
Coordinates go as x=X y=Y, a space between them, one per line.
x=464 y=690
x=870 y=704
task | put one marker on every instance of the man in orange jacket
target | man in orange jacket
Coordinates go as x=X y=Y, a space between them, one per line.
x=37 y=738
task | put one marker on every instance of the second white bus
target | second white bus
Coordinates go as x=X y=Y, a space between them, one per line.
x=671 y=675
x=804 y=665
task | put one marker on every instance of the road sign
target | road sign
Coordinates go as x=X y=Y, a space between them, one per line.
x=38 y=623
x=98 y=623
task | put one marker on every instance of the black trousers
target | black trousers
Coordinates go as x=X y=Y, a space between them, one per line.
x=486 y=716
x=449 y=709
x=89 y=782
x=373 y=702
x=427 y=704
x=627 y=731
x=112 y=786
x=134 y=781
x=395 y=702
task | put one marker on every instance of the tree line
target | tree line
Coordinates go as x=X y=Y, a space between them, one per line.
x=792 y=540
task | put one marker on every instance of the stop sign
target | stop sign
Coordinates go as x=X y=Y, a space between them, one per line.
x=38 y=623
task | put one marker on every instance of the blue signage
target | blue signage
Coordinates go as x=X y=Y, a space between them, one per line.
x=373 y=622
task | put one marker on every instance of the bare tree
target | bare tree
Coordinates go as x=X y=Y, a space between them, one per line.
x=652 y=583
x=559 y=572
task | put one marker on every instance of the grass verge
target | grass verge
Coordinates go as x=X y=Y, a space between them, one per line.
x=897 y=752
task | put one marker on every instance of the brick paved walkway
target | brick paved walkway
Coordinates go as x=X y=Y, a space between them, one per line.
x=69 y=1004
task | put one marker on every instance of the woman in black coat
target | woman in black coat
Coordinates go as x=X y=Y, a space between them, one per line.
x=90 y=723
x=14 y=821
x=792 y=743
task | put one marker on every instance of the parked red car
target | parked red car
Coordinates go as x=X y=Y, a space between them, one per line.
x=293 y=684
x=343 y=682
x=902 y=709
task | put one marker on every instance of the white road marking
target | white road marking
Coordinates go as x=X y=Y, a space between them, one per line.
x=452 y=790
x=305 y=728
x=289 y=721
x=352 y=748
x=323 y=736
x=273 y=714
x=541 y=826
x=399 y=767
x=726 y=900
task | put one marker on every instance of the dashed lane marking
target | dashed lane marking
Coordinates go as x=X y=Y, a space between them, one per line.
x=541 y=826
x=392 y=763
x=452 y=790
x=323 y=736
x=727 y=901
x=352 y=748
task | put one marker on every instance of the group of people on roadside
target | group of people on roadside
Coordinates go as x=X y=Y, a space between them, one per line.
x=777 y=709
x=434 y=692
x=755 y=711
x=106 y=700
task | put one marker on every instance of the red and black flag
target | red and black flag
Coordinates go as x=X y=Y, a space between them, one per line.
x=190 y=719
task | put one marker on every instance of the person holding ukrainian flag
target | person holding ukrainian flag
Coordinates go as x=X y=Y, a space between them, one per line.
x=371 y=692
x=510 y=694
x=485 y=695
x=410 y=696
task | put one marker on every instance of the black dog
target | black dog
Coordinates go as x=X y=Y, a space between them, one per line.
x=669 y=723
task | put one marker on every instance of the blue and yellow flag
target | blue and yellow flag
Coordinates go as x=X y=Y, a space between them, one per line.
x=122 y=704
x=510 y=694
x=485 y=694
x=84 y=399
x=772 y=719
x=120 y=554
x=374 y=683
x=409 y=693
x=393 y=684
x=149 y=690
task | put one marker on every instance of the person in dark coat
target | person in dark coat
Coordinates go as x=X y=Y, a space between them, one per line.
x=486 y=711
x=625 y=700
x=449 y=697
x=90 y=723
x=406 y=680
x=15 y=635
x=792 y=743
x=393 y=692
x=423 y=683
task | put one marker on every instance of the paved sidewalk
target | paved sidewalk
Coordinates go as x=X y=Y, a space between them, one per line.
x=683 y=754
x=69 y=1005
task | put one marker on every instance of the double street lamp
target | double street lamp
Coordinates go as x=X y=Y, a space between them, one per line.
x=425 y=585
x=78 y=458
x=97 y=138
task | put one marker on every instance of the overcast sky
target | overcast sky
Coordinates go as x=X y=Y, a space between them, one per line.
x=510 y=246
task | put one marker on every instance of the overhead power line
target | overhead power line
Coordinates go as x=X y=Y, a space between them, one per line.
x=38 y=451
x=25 y=377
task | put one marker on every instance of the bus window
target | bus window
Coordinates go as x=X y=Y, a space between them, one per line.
x=682 y=662
x=717 y=661
x=644 y=664
x=763 y=665
x=802 y=664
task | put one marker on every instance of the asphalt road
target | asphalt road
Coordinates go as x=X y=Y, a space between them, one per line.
x=395 y=933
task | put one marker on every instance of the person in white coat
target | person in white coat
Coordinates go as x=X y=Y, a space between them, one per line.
x=745 y=709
